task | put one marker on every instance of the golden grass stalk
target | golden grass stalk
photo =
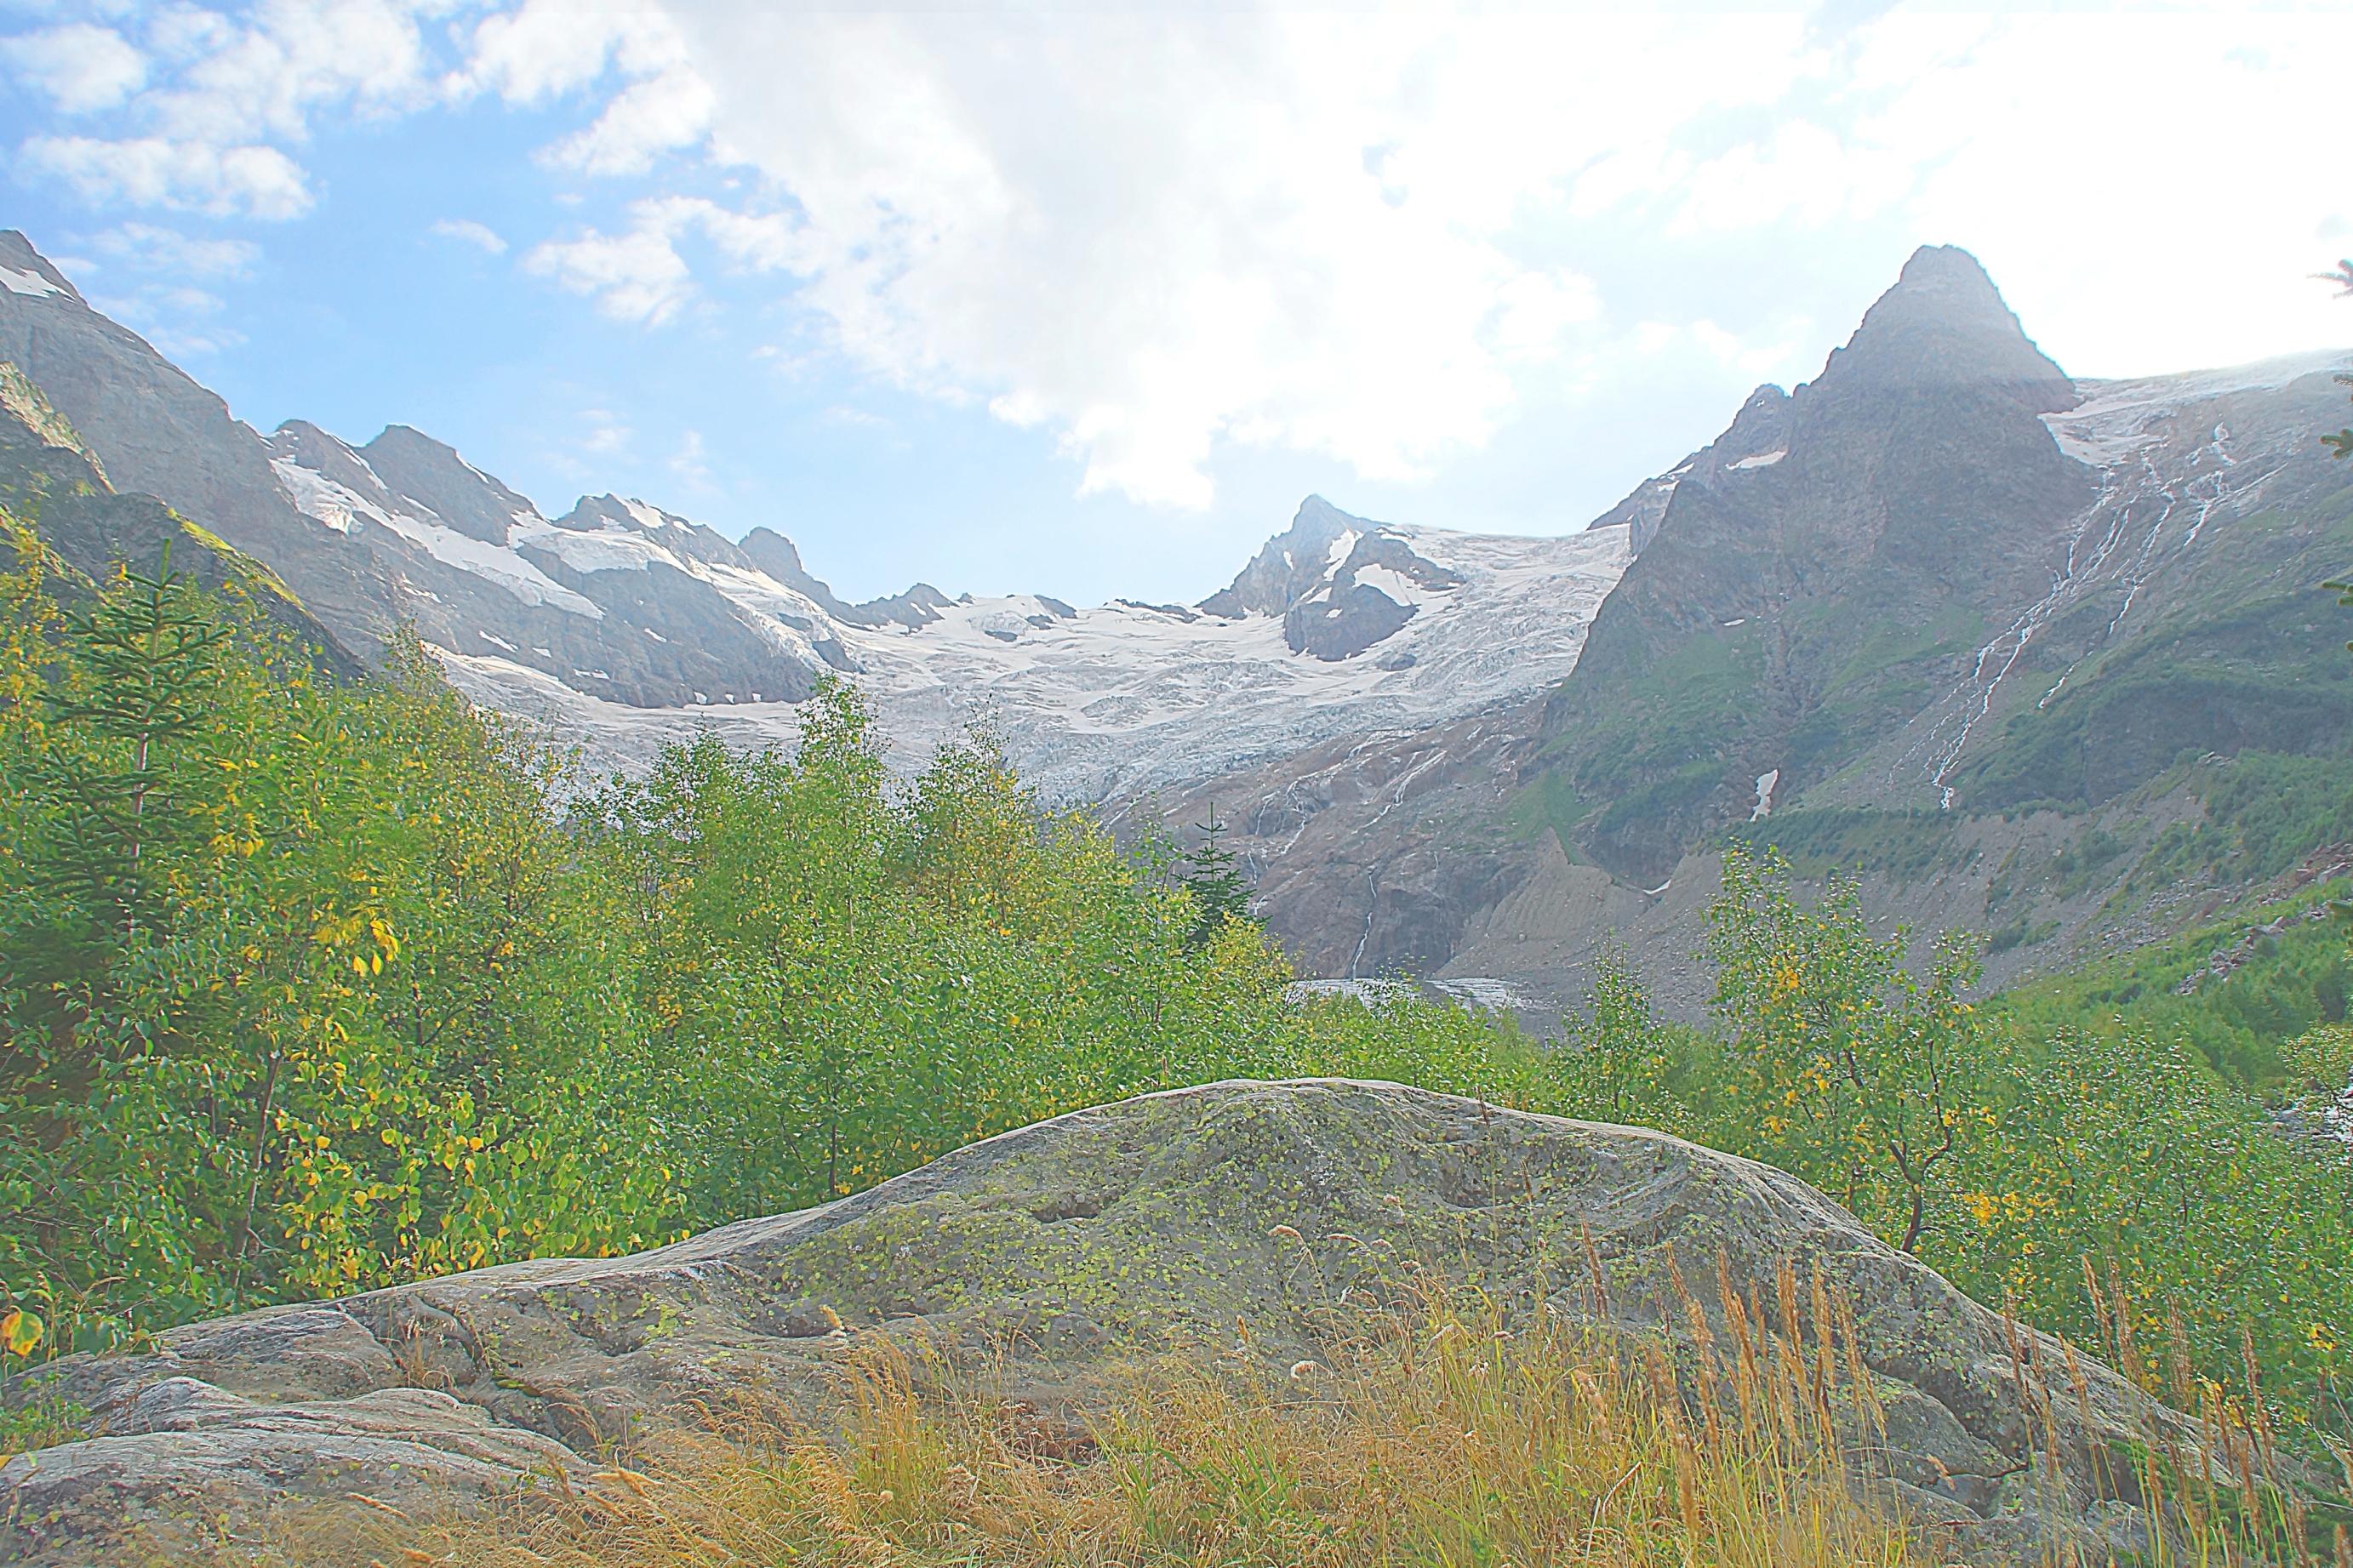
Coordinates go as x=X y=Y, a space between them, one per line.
x=1465 y=1440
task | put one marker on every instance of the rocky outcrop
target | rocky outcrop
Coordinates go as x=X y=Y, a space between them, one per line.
x=1289 y=565
x=1165 y=1222
x=1340 y=583
x=777 y=557
x=51 y=478
x=1912 y=487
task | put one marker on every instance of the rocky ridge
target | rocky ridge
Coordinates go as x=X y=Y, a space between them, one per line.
x=1153 y=1224
x=1988 y=612
x=1942 y=617
x=625 y=625
x=49 y=474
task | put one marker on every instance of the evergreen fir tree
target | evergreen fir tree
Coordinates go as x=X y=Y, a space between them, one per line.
x=1216 y=882
x=151 y=647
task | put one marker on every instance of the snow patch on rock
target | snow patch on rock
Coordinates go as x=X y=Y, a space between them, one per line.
x=339 y=508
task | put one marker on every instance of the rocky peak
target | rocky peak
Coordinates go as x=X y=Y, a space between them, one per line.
x=27 y=273
x=611 y=514
x=459 y=494
x=1290 y=566
x=1912 y=484
x=777 y=557
x=1943 y=325
x=1757 y=438
x=1760 y=429
x=918 y=607
x=780 y=558
x=1315 y=574
x=303 y=444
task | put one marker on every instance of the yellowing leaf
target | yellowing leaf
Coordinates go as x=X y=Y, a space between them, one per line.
x=20 y=1332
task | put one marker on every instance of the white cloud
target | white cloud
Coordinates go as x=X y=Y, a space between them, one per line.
x=202 y=135
x=175 y=318
x=637 y=276
x=80 y=67
x=2153 y=214
x=182 y=176
x=688 y=463
x=1285 y=230
x=545 y=49
x=1536 y=307
x=292 y=59
x=1373 y=236
x=150 y=248
x=471 y=233
x=650 y=118
x=607 y=434
x=1369 y=236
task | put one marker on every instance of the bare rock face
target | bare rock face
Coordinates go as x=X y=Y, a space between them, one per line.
x=1155 y=1223
x=49 y=475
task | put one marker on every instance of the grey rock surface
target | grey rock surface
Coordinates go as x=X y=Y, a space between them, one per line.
x=50 y=477
x=1145 y=1225
x=619 y=602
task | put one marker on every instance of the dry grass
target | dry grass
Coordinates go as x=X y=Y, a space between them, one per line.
x=1445 y=1437
x=1453 y=1442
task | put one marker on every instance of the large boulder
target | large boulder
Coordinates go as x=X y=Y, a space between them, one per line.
x=1229 y=1218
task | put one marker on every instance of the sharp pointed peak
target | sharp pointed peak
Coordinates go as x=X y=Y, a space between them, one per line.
x=1944 y=323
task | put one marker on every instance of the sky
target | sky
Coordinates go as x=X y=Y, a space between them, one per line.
x=1083 y=299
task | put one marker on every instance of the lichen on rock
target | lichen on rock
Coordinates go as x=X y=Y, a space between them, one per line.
x=1236 y=1219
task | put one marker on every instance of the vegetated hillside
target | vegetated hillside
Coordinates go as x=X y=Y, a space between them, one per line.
x=307 y=986
x=1995 y=640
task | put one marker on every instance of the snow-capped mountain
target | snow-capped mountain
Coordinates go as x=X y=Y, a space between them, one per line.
x=625 y=624
x=1113 y=701
x=1943 y=614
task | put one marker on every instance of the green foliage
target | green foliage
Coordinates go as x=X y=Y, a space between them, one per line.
x=841 y=981
x=1618 y=1063
x=2010 y=1145
x=2240 y=1023
x=280 y=1006
x=1857 y=1076
x=1904 y=844
x=2127 y=1156
x=307 y=988
x=42 y=1424
x=1215 y=880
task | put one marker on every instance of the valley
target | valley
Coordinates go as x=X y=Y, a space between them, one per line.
x=484 y=990
x=1940 y=616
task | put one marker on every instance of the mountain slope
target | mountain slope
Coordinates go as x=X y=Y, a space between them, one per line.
x=1110 y=705
x=51 y=478
x=1785 y=609
x=626 y=626
x=2005 y=643
x=2000 y=642
x=627 y=602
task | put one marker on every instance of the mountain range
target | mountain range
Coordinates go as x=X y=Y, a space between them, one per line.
x=2003 y=642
